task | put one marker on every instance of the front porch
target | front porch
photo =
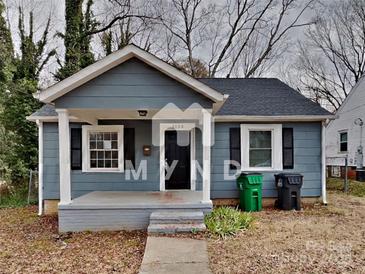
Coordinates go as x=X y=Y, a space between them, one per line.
x=125 y=210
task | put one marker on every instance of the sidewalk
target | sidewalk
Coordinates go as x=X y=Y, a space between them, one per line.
x=175 y=255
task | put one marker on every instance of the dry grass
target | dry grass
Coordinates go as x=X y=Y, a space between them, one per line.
x=318 y=239
x=29 y=244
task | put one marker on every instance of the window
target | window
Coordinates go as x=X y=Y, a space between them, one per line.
x=103 y=148
x=343 y=141
x=262 y=147
x=234 y=146
x=288 y=148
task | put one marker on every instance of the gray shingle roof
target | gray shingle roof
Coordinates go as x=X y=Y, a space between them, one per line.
x=46 y=110
x=262 y=97
x=250 y=96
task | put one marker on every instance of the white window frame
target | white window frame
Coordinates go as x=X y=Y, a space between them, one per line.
x=86 y=130
x=276 y=146
x=339 y=141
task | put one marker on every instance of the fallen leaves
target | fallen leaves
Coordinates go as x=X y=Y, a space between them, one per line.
x=318 y=239
x=31 y=244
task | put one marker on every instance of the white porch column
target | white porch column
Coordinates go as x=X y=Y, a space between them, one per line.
x=207 y=136
x=64 y=153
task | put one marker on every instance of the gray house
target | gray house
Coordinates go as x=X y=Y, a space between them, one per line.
x=131 y=135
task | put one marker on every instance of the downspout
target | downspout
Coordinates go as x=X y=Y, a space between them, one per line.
x=323 y=162
x=40 y=167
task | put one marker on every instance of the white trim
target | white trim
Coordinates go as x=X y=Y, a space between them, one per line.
x=192 y=160
x=64 y=155
x=178 y=127
x=276 y=146
x=289 y=118
x=49 y=118
x=86 y=129
x=207 y=142
x=323 y=162
x=40 y=167
x=117 y=58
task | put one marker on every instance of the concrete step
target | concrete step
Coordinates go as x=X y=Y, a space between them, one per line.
x=177 y=217
x=175 y=228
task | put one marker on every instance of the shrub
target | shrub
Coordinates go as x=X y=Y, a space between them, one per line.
x=15 y=197
x=226 y=221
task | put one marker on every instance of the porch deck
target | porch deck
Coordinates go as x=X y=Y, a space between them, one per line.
x=117 y=210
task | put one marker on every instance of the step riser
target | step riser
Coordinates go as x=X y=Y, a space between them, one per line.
x=176 y=221
x=171 y=229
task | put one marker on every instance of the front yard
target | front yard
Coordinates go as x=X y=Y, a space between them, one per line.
x=320 y=239
x=29 y=244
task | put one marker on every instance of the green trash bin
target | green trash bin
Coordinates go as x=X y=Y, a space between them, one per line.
x=250 y=188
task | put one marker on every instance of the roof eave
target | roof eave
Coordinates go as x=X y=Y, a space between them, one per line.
x=281 y=118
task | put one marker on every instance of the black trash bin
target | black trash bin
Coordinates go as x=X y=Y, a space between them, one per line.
x=289 y=185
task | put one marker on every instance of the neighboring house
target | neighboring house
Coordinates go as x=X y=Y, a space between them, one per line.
x=107 y=133
x=343 y=134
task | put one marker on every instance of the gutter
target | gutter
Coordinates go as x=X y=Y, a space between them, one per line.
x=323 y=162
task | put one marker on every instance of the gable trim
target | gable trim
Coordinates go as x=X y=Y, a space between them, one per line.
x=116 y=58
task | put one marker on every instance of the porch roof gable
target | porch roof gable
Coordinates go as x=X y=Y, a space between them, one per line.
x=116 y=58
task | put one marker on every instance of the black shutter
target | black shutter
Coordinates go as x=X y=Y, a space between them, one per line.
x=235 y=146
x=129 y=146
x=76 y=148
x=288 y=148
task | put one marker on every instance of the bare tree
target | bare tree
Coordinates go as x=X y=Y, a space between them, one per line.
x=185 y=23
x=256 y=32
x=127 y=22
x=332 y=58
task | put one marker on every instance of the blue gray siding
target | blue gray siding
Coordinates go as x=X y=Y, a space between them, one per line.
x=307 y=156
x=131 y=85
x=307 y=160
x=84 y=182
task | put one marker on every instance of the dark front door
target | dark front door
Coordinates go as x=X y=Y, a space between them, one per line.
x=180 y=153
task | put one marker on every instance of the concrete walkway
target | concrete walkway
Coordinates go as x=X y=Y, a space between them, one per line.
x=175 y=255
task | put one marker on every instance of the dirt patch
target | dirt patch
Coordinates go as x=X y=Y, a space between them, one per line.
x=30 y=244
x=318 y=239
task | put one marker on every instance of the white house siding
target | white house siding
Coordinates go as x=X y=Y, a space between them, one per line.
x=353 y=107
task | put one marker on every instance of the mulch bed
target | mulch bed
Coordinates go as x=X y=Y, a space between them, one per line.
x=31 y=244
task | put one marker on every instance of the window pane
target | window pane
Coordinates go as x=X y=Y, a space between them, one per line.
x=100 y=155
x=343 y=146
x=100 y=163
x=114 y=136
x=92 y=136
x=108 y=163
x=93 y=163
x=107 y=136
x=260 y=139
x=343 y=137
x=100 y=145
x=114 y=163
x=260 y=157
x=114 y=144
x=108 y=154
x=115 y=154
x=92 y=145
x=92 y=154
